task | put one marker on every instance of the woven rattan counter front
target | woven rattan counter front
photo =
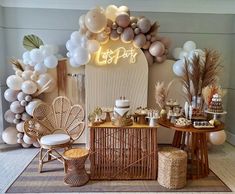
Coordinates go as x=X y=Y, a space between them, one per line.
x=123 y=152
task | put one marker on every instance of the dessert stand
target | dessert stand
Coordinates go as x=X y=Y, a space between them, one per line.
x=215 y=114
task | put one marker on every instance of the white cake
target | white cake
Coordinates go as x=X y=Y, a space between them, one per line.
x=122 y=106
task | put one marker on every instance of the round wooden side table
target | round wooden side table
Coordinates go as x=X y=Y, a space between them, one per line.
x=76 y=174
x=194 y=142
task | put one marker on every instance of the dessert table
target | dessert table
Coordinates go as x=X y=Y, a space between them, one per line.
x=194 y=142
x=129 y=152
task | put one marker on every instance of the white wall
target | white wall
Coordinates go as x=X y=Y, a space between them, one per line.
x=54 y=26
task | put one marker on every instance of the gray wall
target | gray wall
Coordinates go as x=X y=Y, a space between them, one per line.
x=55 y=26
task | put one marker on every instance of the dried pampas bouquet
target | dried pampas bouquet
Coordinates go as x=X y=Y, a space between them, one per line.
x=161 y=93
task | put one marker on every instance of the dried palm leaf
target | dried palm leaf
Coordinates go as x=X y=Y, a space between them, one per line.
x=209 y=91
x=160 y=94
x=211 y=68
x=16 y=65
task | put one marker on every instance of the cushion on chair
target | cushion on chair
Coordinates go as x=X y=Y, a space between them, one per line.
x=55 y=139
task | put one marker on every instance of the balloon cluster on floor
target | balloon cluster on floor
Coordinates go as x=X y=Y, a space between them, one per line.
x=100 y=25
x=29 y=81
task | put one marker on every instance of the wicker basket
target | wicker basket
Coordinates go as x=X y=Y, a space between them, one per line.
x=172 y=167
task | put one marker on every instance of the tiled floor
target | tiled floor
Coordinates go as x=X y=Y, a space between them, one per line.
x=12 y=162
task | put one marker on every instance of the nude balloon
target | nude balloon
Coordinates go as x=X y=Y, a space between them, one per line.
x=127 y=35
x=123 y=20
x=95 y=20
x=111 y=11
x=20 y=127
x=29 y=87
x=114 y=35
x=139 y=40
x=166 y=41
x=217 y=138
x=157 y=49
x=93 y=46
x=144 y=25
x=9 y=135
x=161 y=59
x=123 y=9
x=9 y=116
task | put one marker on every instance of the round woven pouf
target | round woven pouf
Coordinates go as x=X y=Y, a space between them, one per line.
x=172 y=167
x=76 y=174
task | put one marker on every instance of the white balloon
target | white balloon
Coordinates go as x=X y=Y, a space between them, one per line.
x=29 y=87
x=84 y=41
x=43 y=79
x=9 y=135
x=26 y=56
x=27 y=139
x=14 y=82
x=73 y=63
x=178 y=67
x=32 y=105
x=93 y=46
x=25 y=145
x=10 y=95
x=40 y=68
x=51 y=61
x=16 y=107
x=36 y=55
x=26 y=75
x=76 y=38
x=70 y=46
x=176 y=53
x=81 y=56
x=217 y=138
x=183 y=54
x=20 y=127
x=189 y=46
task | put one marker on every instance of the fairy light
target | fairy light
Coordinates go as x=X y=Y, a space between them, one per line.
x=104 y=57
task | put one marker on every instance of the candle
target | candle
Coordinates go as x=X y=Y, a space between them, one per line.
x=186 y=110
x=190 y=112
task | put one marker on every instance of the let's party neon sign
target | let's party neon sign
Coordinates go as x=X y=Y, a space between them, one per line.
x=108 y=56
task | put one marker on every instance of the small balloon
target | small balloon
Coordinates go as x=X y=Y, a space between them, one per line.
x=40 y=68
x=93 y=46
x=144 y=25
x=36 y=144
x=161 y=59
x=10 y=95
x=127 y=35
x=51 y=61
x=29 y=87
x=123 y=20
x=114 y=35
x=26 y=75
x=32 y=105
x=36 y=56
x=166 y=41
x=122 y=9
x=139 y=41
x=111 y=11
x=9 y=116
x=147 y=45
x=183 y=54
x=82 y=21
x=176 y=53
x=20 y=127
x=25 y=116
x=25 y=145
x=157 y=49
x=27 y=139
x=15 y=107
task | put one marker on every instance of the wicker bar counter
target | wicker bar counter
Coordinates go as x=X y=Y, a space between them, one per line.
x=123 y=152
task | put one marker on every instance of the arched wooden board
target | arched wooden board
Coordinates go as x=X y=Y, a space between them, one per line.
x=163 y=72
x=105 y=84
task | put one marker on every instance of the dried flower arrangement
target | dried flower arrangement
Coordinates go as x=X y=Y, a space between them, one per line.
x=200 y=72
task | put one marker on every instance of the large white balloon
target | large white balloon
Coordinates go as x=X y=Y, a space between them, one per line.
x=29 y=87
x=189 y=46
x=178 y=67
x=32 y=105
x=93 y=46
x=36 y=56
x=81 y=56
x=9 y=135
x=176 y=53
x=51 y=61
x=217 y=138
x=14 y=82
x=10 y=95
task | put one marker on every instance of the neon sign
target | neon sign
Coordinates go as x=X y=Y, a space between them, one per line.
x=112 y=56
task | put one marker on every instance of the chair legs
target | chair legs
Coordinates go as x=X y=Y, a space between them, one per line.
x=50 y=157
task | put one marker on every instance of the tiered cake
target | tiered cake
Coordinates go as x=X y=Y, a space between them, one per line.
x=120 y=117
x=216 y=104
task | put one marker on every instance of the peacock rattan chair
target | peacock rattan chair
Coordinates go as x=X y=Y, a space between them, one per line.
x=54 y=127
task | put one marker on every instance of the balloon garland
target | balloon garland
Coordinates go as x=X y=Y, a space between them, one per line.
x=99 y=25
x=30 y=80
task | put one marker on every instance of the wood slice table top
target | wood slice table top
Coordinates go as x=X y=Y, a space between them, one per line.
x=189 y=128
x=135 y=125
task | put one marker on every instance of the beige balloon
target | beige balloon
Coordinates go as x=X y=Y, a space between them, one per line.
x=149 y=57
x=144 y=25
x=111 y=12
x=123 y=20
x=95 y=21
x=157 y=49
x=139 y=40
x=127 y=35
